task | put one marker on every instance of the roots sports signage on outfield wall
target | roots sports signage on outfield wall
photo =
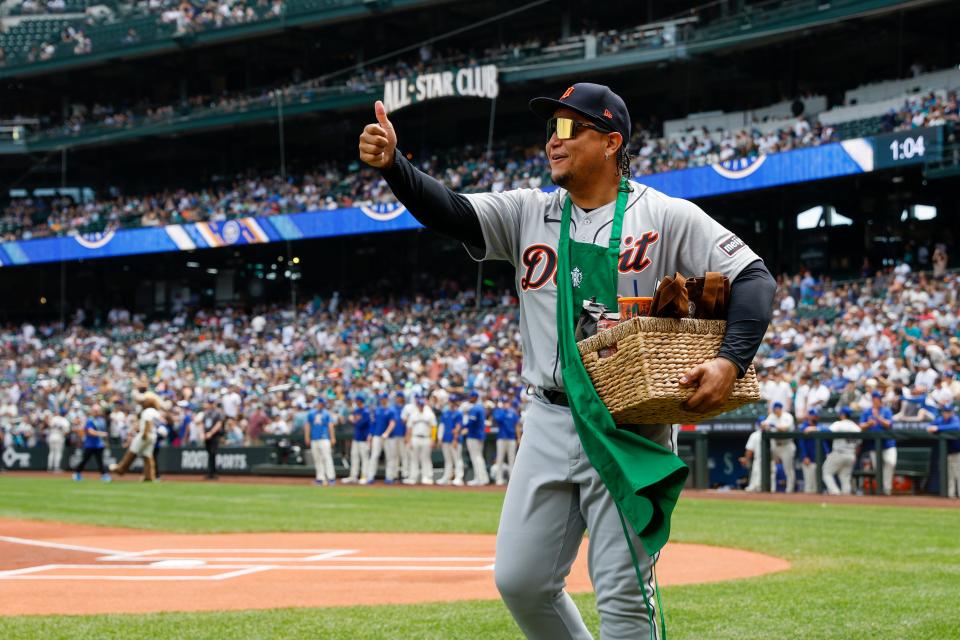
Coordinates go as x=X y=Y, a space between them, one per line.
x=468 y=82
x=236 y=460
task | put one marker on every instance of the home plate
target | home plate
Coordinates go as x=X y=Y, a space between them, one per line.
x=178 y=564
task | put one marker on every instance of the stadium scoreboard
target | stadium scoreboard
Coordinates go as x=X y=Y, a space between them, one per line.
x=912 y=146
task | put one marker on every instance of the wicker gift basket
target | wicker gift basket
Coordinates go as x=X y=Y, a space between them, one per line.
x=639 y=379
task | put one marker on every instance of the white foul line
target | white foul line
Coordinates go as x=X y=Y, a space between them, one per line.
x=160 y=562
x=58 y=545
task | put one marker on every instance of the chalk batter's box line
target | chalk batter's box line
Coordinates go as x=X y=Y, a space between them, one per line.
x=178 y=554
x=30 y=573
x=318 y=555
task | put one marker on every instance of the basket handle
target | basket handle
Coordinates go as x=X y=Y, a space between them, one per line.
x=671 y=299
x=713 y=298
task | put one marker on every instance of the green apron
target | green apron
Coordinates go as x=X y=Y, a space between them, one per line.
x=644 y=479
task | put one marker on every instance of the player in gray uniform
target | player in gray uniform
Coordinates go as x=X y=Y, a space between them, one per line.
x=556 y=494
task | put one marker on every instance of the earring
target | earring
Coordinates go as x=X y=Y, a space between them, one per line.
x=606 y=156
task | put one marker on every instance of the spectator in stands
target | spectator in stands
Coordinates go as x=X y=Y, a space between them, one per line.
x=913 y=406
x=257 y=423
x=819 y=396
x=131 y=37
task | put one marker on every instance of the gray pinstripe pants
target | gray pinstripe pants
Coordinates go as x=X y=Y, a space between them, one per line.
x=554 y=495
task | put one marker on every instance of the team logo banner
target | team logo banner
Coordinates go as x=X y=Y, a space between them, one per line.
x=467 y=82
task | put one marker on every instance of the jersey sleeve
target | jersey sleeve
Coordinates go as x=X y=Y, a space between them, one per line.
x=500 y=215
x=703 y=244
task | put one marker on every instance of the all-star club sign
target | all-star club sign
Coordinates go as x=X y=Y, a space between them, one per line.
x=474 y=82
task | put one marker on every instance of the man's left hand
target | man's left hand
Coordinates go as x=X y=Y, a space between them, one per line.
x=714 y=380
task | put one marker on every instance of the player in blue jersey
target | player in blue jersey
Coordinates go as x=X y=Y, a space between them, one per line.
x=880 y=418
x=94 y=432
x=382 y=417
x=948 y=421
x=505 y=418
x=451 y=422
x=808 y=451
x=320 y=437
x=476 y=432
x=359 y=449
x=399 y=434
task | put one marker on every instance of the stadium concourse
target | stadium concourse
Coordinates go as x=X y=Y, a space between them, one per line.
x=831 y=345
x=333 y=185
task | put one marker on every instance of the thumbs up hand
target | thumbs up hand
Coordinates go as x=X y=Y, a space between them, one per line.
x=378 y=141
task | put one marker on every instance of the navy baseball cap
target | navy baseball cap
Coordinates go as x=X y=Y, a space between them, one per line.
x=596 y=102
x=474 y=394
x=813 y=411
x=876 y=394
x=321 y=400
x=778 y=405
x=846 y=411
x=949 y=407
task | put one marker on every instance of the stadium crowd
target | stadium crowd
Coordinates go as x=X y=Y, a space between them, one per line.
x=890 y=341
x=467 y=169
x=260 y=372
x=874 y=354
x=183 y=16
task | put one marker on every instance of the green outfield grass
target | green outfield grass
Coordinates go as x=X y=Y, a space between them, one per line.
x=858 y=571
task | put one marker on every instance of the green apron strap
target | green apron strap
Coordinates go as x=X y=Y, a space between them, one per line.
x=643 y=585
x=644 y=479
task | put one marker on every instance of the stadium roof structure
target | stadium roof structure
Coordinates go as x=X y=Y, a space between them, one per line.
x=156 y=39
x=756 y=25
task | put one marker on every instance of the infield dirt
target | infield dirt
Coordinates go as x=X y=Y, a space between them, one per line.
x=58 y=568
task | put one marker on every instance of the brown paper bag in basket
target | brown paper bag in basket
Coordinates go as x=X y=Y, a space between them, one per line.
x=705 y=298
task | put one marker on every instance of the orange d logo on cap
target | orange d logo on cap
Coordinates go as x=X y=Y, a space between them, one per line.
x=566 y=94
x=607 y=114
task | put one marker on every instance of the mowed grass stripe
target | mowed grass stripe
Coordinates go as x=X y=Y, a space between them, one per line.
x=207 y=507
x=858 y=571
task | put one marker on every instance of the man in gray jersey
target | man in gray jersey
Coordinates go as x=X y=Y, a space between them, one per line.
x=555 y=494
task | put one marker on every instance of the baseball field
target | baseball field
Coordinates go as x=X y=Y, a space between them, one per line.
x=185 y=559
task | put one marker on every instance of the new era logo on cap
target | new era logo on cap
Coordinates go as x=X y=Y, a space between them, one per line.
x=566 y=94
x=607 y=114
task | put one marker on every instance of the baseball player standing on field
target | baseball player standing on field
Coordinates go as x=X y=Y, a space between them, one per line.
x=320 y=437
x=620 y=236
x=57 y=428
x=948 y=421
x=359 y=449
x=808 y=452
x=475 y=424
x=506 y=419
x=781 y=421
x=451 y=421
x=843 y=455
x=880 y=418
x=382 y=416
x=421 y=422
x=398 y=438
